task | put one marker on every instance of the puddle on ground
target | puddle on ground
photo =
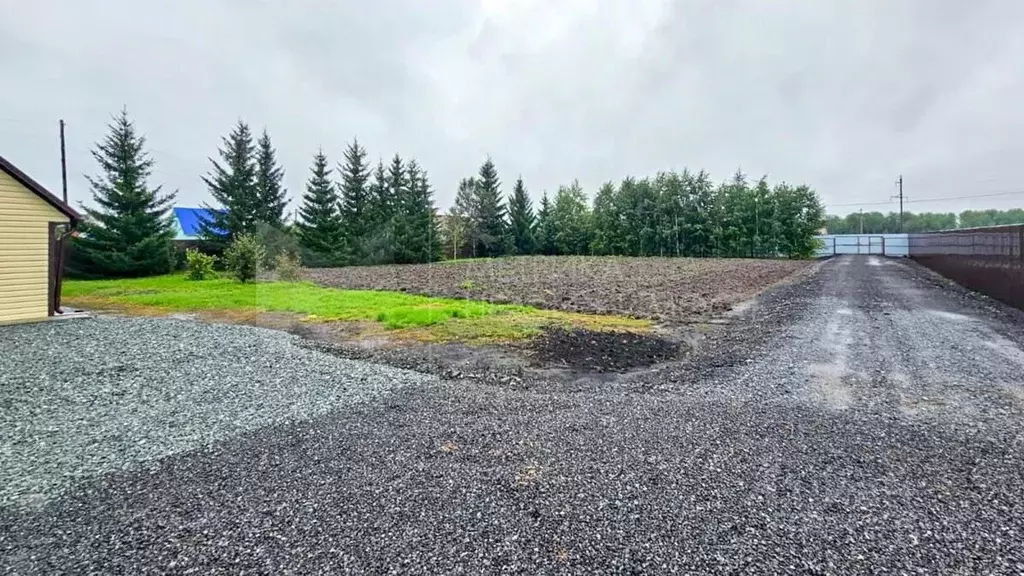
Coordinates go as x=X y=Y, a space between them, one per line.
x=827 y=386
x=1015 y=392
x=1006 y=348
x=949 y=315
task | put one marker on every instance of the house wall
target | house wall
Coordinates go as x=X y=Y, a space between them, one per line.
x=24 y=252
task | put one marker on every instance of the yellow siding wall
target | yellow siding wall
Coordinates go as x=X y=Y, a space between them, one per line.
x=24 y=251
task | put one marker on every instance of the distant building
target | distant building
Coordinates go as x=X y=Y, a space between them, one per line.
x=188 y=223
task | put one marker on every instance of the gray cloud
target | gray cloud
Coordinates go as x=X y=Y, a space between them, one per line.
x=841 y=95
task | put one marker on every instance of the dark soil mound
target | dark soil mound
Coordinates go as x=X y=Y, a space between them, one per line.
x=590 y=351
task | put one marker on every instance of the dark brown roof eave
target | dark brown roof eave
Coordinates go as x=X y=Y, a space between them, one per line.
x=39 y=190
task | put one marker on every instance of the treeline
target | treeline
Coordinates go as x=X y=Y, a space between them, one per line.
x=357 y=213
x=670 y=214
x=882 y=223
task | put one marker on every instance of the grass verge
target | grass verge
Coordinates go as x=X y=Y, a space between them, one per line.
x=404 y=316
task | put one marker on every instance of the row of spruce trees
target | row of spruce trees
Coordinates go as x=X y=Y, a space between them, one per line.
x=371 y=215
x=360 y=213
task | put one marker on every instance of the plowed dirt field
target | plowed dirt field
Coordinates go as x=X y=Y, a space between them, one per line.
x=671 y=290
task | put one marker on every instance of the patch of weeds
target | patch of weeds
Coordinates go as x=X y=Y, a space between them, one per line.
x=466 y=284
x=288 y=267
x=513 y=324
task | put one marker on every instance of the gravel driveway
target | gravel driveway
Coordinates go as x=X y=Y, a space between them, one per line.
x=83 y=398
x=868 y=419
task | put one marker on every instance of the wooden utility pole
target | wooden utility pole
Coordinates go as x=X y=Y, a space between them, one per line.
x=63 y=163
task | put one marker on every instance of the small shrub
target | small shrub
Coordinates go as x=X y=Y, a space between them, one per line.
x=466 y=284
x=244 y=257
x=287 y=265
x=199 y=266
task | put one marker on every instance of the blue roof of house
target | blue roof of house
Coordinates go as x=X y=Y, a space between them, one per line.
x=188 y=221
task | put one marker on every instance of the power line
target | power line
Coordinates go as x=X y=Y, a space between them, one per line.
x=968 y=197
x=923 y=200
x=860 y=204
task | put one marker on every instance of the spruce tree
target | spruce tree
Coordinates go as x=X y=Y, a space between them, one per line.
x=492 y=229
x=464 y=209
x=355 y=200
x=428 y=216
x=319 y=227
x=521 y=219
x=271 y=197
x=378 y=201
x=405 y=240
x=233 y=185
x=130 y=233
x=416 y=230
x=398 y=189
x=377 y=243
x=545 y=231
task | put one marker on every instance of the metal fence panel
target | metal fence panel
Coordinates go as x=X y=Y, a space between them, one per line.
x=989 y=260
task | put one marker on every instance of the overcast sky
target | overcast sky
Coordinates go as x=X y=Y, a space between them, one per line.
x=841 y=95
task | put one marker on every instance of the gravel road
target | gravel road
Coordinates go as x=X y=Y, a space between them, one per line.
x=867 y=419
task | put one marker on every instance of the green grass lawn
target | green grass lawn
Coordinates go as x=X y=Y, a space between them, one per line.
x=405 y=316
x=394 y=310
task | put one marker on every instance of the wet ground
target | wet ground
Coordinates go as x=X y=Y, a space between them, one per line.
x=867 y=419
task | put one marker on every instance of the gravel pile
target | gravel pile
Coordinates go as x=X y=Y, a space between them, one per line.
x=86 y=397
x=865 y=421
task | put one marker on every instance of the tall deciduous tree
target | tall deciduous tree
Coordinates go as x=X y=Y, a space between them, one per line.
x=232 y=183
x=491 y=228
x=521 y=219
x=570 y=217
x=320 y=227
x=356 y=203
x=454 y=229
x=130 y=231
x=271 y=196
x=606 y=222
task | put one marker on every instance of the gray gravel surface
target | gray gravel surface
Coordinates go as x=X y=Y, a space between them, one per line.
x=866 y=420
x=85 y=397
